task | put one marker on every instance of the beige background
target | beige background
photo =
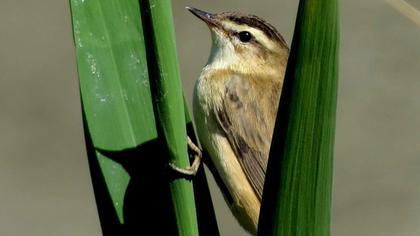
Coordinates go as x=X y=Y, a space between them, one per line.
x=45 y=186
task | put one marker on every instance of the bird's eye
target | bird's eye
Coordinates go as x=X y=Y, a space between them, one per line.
x=245 y=36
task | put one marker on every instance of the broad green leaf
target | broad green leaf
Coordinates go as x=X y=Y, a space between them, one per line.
x=114 y=83
x=134 y=117
x=113 y=72
x=297 y=191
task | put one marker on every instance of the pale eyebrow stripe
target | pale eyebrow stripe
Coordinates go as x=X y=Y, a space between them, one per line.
x=406 y=9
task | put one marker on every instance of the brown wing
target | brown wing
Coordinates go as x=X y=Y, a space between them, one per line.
x=247 y=117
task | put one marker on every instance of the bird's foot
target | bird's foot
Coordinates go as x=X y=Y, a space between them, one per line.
x=191 y=170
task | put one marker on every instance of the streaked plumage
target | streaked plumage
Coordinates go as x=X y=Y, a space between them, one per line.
x=235 y=104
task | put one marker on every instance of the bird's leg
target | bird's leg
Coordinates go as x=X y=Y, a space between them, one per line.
x=191 y=170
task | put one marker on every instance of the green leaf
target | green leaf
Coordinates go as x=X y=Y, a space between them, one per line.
x=114 y=83
x=297 y=191
x=134 y=118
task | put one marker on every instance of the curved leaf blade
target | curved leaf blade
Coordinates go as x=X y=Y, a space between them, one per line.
x=297 y=190
x=114 y=84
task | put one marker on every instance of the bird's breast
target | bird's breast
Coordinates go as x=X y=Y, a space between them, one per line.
x=207 y=100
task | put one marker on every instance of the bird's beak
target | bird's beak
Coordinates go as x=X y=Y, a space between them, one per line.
x=208 y=18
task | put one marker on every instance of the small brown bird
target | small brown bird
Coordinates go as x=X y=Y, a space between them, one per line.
x=235 y=105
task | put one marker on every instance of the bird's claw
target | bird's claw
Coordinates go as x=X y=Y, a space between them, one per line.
x=191 y=170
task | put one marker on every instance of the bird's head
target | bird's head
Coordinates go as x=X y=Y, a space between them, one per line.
x=245 y=43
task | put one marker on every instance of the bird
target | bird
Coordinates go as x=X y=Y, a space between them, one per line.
x=235 y=102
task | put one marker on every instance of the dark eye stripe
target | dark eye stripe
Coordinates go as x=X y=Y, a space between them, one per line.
x=255 y=22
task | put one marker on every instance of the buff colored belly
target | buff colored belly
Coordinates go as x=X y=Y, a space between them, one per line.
x=246 y=204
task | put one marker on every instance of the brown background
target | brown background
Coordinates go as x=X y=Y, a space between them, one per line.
x=45 y=186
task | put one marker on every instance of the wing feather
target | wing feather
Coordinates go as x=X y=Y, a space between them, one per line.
x=247 y=117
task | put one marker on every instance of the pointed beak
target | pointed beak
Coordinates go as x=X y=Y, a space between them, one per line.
x=208 y=18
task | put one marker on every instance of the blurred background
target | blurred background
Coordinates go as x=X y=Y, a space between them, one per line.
x=45 y=186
